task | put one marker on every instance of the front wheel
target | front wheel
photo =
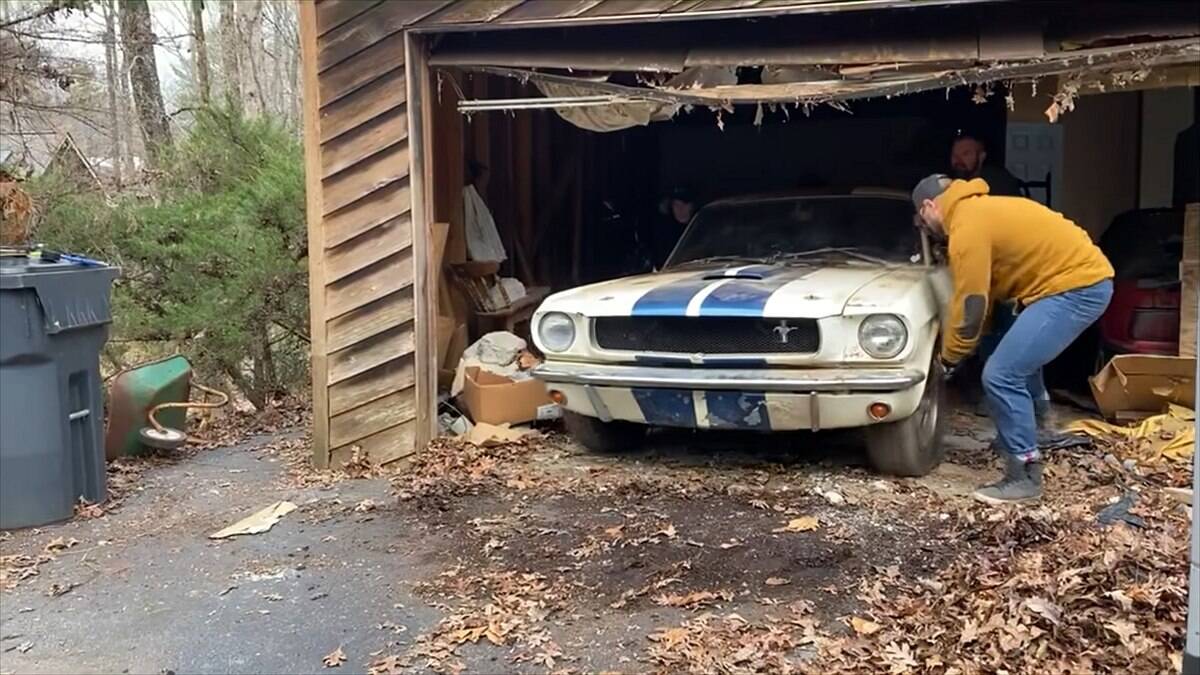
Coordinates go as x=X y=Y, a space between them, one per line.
x=604 y=437
x=912 y=446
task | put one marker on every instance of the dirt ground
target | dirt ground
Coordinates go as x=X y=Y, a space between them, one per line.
x=702 y=553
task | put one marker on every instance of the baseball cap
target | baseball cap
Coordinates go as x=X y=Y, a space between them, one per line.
x=930 y=187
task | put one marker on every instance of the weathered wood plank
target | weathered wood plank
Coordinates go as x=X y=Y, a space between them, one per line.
x=620 y=7
x=389 y=203
x=366 y=250
x=472 y=11
x=370 y=353
x=377 y=135
x=384 y=314
x=316 y=236
x=373 y=173
x=330 y=15
x=383 y=447
x=380 y=414
x=537 y=10
x=381 y=95
x=348 y=77
x=376 y=383
x=384 y=277
x=370 y=27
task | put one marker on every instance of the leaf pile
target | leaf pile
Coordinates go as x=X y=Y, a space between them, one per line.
x=506 y=609
x=730 y=644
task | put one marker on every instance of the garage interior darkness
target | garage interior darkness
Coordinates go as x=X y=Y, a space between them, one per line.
x=574 y=206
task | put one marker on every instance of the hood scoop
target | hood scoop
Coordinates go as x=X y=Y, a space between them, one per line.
x=748 y=274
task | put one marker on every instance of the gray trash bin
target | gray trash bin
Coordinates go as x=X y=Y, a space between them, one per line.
x=54 y=320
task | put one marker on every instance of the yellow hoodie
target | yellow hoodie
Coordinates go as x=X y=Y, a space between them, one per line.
x=1004 y=248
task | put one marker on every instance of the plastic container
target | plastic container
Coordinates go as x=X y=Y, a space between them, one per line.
x=54 y=319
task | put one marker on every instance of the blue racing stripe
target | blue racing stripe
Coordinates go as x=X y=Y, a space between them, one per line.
x=670 y=299
x=742 y=297
x=667 y=407
x=737 y=410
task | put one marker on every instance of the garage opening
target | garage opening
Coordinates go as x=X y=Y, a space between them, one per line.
x=589 y=149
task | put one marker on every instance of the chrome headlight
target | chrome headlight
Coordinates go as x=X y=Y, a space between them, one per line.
x=557 y=332
x=883 y=336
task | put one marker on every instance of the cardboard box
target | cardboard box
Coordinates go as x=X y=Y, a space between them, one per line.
x=496 y=399
x=1135 y=385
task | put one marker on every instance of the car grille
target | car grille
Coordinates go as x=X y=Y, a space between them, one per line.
x=707 y=335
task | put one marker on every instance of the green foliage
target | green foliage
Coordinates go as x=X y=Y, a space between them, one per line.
x=215 y=262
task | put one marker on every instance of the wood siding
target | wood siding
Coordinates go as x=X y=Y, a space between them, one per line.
x=361 y=240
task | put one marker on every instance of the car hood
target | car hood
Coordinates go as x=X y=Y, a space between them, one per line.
x=782 y=291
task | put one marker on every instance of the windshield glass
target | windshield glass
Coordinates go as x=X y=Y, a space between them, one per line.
x=800 y=228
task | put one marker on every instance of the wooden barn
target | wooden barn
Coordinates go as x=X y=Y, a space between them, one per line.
x=401 y=96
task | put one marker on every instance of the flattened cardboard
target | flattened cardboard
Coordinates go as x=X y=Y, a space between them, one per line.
x=1144 y=383
x=495 y=399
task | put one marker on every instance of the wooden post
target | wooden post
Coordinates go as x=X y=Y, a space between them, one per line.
x=1189 y=277
x=424 y=285
x=316 y=238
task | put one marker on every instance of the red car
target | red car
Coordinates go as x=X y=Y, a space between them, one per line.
x=1145 y=247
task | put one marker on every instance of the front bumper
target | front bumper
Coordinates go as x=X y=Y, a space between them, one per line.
x=755 y=399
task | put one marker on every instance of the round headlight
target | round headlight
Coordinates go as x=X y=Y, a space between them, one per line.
x=882 y=335
x=557 y=332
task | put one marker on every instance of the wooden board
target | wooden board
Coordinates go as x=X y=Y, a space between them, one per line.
x=371 y=353
x=346 y=78
x=383 y=278
x=385 y=313
x=368 y=248
x=316 y=235
x=383 y=447
x=1189 y=277
x=388 y=132
x=369 y=28
x=389 y=204
x=376 y=172
x=383 y=413
x=330 y=15
x=377 y=383
x=381 y=95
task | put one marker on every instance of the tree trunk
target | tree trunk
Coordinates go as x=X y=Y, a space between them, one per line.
x=138 y=40
x=113 y=74
x=230 y=71
x=251 y=54
x=200 y=49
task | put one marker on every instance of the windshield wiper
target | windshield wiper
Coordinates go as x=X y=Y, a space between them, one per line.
x=722 y=258
x=844 y=250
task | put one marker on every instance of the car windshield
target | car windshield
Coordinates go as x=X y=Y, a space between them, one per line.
x=859 y=228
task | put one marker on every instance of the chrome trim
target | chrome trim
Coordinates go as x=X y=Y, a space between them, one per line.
x=778 y=380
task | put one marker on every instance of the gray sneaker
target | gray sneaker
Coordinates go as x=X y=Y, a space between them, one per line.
x=1022 y=482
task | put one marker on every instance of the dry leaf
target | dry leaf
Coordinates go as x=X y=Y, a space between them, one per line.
x=335 y=658
x=864 y=626
x=365 y=506
x=1045 y=609
x=668 y=532
x=778 y=581
x=801 y=524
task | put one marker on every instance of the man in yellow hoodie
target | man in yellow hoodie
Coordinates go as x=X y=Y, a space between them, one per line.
x=1012 y=249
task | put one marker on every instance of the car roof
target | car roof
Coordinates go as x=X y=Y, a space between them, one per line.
x=886 y=193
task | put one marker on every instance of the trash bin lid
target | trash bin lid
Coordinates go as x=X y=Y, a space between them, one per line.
x=71 y=295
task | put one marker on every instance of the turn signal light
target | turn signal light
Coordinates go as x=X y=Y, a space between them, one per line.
x=879 y=410
x=558 y=397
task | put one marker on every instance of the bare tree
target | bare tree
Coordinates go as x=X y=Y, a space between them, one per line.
x=138 y=41
x=230 y=70
x=112 y=72
x=200 y=50
x=250 y=54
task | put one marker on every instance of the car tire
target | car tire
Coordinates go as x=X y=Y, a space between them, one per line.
x=912 y=446
x=604 y=437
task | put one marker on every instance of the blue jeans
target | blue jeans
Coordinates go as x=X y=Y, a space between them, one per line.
x=1039 y=334
x=1002 y=319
